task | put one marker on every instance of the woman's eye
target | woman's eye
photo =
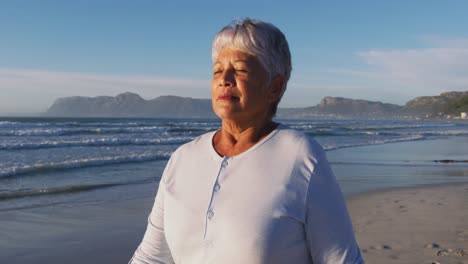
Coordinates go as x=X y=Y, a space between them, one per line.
x=216 y=72
x=241 y=70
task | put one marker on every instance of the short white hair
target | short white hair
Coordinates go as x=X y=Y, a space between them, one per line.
x=261 y=39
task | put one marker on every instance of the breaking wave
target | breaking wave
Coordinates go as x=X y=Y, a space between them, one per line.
x=42 y=167
x=94 y=142
x=372 y=142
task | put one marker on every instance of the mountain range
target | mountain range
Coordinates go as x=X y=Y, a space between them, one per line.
x=132 y=105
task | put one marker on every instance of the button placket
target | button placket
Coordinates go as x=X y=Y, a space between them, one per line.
x=210 y=213
x=216 y=188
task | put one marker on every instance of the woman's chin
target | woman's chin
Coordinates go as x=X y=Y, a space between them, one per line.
x=225 y=112
x=225 y=115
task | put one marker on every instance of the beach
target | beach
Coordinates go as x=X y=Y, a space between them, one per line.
x=406 y=205
x=412 y=225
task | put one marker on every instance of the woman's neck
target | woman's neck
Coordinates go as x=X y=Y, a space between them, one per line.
x=233 y=139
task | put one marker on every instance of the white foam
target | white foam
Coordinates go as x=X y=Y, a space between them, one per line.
x=95 y=142
x=74 y=131
x=373 y=142
x=83 y=162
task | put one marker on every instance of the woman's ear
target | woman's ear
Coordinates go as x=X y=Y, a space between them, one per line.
x=276 y=88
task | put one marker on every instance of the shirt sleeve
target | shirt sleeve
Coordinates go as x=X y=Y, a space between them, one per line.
x=154 y=249
x=329 y=230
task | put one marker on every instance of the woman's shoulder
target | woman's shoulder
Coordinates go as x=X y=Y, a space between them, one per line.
x=197 y=144
x=302 y=141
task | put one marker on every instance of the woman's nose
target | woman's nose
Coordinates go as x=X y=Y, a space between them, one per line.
x=227 y=79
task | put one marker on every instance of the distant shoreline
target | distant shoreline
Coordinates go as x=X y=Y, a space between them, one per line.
x=43 y=116
x=448 y=105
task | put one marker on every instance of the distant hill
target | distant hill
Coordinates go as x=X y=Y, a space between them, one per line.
x=132 y=105
x=457 y=106
x=339 y=106
x=445 y=103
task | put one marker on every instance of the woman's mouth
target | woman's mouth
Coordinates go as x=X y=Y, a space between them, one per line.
x=228 y=97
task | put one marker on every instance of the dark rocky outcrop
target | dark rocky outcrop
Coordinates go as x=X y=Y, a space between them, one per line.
x=130 y=105
x=344 y=106
x=433 y=105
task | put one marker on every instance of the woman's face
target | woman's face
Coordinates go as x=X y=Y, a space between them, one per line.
x=240 y=85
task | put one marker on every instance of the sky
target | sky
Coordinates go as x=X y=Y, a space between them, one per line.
x=389 y=51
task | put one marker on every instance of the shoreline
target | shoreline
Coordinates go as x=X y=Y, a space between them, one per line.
x=383 y=190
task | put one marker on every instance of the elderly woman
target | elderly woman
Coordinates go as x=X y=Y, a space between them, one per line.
x=254 y=191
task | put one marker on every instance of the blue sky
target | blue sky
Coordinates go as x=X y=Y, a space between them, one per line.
x=389 y=51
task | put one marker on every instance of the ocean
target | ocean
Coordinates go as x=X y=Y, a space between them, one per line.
x=68 y=161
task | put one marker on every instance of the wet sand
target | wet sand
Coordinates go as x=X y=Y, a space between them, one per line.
x=412 y=225
x=92 y=233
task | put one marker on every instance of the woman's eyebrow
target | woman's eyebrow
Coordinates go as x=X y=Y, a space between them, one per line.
x=235 y=61
x=240 y=60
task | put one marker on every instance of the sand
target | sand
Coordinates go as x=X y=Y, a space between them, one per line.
x=412 y=225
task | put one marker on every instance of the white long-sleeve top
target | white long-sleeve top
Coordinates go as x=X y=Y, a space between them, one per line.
x=277 y=202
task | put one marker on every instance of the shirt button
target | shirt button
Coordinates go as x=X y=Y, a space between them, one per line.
x=217 y=187
x=225 y=163
x=210 y=214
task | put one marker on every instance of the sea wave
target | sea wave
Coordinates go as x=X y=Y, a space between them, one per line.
x=103 y=124
x=214 y=123
x=94 y=142
x=322 y=133
x=42 y=167
x=52 y=132
x=331 y=133
x=2 y=123
x=373 y=142
x=445 y=133
x=189 y=129
x=15 y=124
x=391 y=133
x=396 y=126
x=55 y=190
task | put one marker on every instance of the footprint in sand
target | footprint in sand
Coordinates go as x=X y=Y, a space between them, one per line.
x=461 y=253
x=403 y=209
x=381 y=247
x=457 y=252
x=443 y=252
x=432 y=245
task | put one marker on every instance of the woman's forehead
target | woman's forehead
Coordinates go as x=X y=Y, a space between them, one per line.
x=231 y=55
